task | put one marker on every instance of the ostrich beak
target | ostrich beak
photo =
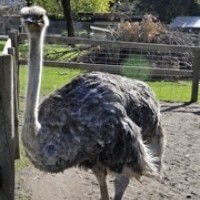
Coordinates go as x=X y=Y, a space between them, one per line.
x=30 y=21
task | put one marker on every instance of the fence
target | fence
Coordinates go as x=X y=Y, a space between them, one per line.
x=155 y=62
x=141 y=60
x=9 y=140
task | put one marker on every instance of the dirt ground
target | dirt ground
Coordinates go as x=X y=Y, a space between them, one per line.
x=181 y=176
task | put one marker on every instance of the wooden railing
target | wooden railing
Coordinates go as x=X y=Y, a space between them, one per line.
x=194 y=73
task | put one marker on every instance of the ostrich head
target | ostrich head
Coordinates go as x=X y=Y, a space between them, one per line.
x=34 y=19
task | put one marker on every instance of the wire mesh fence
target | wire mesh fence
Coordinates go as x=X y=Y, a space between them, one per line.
x=168 y=69
x=170 y=74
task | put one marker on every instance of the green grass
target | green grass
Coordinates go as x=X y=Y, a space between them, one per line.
x=2 y=43
x=52 y=78
x=136 y=66
x=179 y=91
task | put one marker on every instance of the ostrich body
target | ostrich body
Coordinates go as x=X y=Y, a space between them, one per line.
x=99 y=121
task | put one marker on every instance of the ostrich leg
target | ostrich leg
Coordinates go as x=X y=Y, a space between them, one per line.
x=100 y=173
x=121 y=183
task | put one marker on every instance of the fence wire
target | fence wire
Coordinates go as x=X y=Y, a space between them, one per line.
x=169 y=73
x=163 y=71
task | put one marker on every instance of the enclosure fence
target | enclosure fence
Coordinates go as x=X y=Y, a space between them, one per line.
x=146 y=61
x=9 y=140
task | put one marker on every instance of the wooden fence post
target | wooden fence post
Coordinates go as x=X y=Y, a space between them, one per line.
x=14 y=36
x=6 y=128
x=196 y=75
x=198 y=39
x=11 y=51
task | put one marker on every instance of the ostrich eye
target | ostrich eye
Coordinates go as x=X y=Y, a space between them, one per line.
x=24 y=15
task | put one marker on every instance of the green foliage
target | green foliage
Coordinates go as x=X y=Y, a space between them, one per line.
x=52 y=78
x=90 y=6
x=54 y=7
x=2 y=43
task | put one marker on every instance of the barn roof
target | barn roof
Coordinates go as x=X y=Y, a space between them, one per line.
x=186 y=22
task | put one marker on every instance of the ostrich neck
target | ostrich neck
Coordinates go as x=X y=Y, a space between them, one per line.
x=34 y=79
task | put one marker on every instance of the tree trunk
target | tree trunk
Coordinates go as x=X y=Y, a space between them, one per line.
x=68 y=17
x=29 y=2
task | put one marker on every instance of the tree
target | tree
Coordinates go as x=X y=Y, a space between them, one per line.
x=54 y=8
x=59 y=8
x=29 y=2
x=66 y=5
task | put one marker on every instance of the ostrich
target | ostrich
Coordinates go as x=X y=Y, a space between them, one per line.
x=99 y=121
